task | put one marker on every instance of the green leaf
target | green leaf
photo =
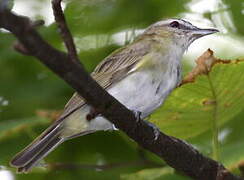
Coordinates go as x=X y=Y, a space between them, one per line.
x=231 y=144
x=213 y=99
x=154 y=174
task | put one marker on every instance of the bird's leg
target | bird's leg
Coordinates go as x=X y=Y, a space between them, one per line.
x=95 y=113
x=137 y=115
x=156 y=131
x=92 y=114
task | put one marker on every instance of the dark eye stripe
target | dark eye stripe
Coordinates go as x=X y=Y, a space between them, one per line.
x=175 y=24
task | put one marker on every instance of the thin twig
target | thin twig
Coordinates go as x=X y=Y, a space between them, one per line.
x=21 y=49
x=64 y=30
x=73 y=166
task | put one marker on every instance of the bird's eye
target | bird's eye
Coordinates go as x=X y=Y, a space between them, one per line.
x=174 y=24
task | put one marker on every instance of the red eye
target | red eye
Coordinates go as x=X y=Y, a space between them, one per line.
x=174 y=24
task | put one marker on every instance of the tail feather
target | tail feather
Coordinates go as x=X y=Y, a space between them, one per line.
x=41 y=147
x=40 y=155
x=65 y=128
x=37 y=150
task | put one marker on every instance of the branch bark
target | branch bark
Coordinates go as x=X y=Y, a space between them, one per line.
x=177 y=153
x=64 y=30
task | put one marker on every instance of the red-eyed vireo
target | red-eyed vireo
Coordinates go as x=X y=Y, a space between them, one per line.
x=140 y=75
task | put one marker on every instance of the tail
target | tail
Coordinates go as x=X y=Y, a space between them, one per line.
x=67 y=127
x=37 y=150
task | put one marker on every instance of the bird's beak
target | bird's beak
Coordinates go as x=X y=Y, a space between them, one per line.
x=203 y=32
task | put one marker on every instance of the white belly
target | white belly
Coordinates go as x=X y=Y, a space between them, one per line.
x=140 y=91
x=144 y=92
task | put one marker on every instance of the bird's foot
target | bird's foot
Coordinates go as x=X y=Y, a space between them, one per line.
x=137 y=115
x=114 y=128
x=156 y=131
x=92 y=114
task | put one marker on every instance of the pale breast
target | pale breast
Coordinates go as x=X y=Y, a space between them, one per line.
x=145 y=91
x=142 y=91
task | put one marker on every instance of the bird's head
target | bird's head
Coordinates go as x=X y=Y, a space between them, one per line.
x=180 y=32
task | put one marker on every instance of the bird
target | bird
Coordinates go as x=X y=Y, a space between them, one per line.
x=140 y=75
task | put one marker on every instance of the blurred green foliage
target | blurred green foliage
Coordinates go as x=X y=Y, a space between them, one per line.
x=109 y=16
x=236 y=8
x=26 y=86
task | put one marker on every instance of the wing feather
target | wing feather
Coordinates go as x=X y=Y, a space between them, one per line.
x=111 y=70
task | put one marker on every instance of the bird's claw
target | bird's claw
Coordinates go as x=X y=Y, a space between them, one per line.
x=156 y=131
x=137 y=115
x=92 y=114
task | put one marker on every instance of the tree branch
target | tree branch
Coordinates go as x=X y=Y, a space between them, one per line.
x=64 y=30
x=178 y=154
